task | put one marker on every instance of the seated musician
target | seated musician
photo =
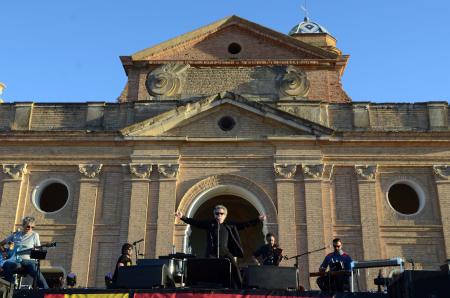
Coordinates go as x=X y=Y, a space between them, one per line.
x=338 y=278
x=25 y=239
x=124 y=259
x=270 y=253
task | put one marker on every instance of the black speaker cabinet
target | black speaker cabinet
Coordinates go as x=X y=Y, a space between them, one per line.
x=209 y=273
x=272 y=277
x=420 y=283
x=143 y=277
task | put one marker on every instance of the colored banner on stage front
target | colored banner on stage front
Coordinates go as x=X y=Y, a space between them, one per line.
x=210 y=295
x=111 y=295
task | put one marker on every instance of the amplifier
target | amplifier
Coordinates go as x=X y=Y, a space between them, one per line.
x=143 y=277
x=272 y=277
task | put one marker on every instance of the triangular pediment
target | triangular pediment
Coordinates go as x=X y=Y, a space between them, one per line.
x=212 y=42
x=201 y=118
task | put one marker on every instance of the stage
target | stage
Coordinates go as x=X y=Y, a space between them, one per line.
x=182 y=293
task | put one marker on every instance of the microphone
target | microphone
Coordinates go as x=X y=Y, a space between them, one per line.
x=139 y=241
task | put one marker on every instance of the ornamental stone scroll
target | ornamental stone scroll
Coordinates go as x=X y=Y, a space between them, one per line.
x=167 y=80
x=442 y=171
x=293 y=82
x=366 y=172
x=313 y=171
x=286 y=171
x=168 y=170
x=142 y=171
x=15 y=171
x=90 y=170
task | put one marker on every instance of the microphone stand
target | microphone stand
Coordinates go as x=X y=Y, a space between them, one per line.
x=136 y=249
x=218 y=236
x=296 y=265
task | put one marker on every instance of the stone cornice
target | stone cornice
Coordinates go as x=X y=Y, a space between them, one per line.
x=15 y=171
x=306 y=64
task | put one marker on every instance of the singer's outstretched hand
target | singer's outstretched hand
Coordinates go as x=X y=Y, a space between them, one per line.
x=262 y=217
x=178 y=214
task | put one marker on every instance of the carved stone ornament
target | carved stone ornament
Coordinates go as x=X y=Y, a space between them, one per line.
x=140 y=170
x=442 y=171
x=367 y=172
x=15 y=171
x=328 y=171
x=90 y=170
x=294 y=82
x=168 y=170
x=285 y=170
x=313 y=171
x=167 y=80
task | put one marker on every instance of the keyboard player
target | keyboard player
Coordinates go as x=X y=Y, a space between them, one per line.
x=338 y=277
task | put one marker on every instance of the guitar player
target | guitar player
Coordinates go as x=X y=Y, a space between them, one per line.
x=25 y=239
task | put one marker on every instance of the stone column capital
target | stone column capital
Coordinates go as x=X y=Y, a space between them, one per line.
x=140 y=170
x=313 y=171
x=286 y=171
x=366 y=172
x=15 y=171
x=168 y=170
x=442 y=172
x=90 y=170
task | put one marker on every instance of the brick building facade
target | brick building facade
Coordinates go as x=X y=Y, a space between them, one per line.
x=231 y=113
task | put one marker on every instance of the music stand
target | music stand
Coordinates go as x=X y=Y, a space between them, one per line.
x=38 y=255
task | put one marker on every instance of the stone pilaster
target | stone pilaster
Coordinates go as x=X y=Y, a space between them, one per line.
x=285 y=184
x=442 y=178
x=137 y=223
x=83 y=240
x=11 y=192
x=327 y=178
x=370 y=227
x=166 y=207
x=312 y=174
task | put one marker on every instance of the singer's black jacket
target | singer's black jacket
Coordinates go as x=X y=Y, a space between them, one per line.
x=234 y=241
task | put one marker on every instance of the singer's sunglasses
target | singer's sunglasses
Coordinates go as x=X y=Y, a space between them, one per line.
x=219 y=213
x=30 y=227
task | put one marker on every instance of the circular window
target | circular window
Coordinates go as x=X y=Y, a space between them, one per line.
x=226 y=123
x=405 y=198
x=234 y=48
x=51 y=196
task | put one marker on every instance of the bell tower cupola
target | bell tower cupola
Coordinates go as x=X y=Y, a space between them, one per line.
x=314 y=34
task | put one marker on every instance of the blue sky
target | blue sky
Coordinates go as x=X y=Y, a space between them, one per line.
x=68 y=51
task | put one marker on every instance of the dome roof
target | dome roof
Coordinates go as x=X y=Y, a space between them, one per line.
x=307 y=27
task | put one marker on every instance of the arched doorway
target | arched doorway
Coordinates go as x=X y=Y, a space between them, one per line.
x=239 y=210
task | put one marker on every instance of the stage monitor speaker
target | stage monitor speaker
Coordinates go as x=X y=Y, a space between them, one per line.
x=272 y=277
x=143 y=277
x=208 y=273
x=420 y=283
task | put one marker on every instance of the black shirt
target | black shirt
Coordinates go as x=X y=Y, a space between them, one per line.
x=125 y=260
x=223 y=241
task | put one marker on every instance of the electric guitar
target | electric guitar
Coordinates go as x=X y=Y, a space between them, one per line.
x=13 y=255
